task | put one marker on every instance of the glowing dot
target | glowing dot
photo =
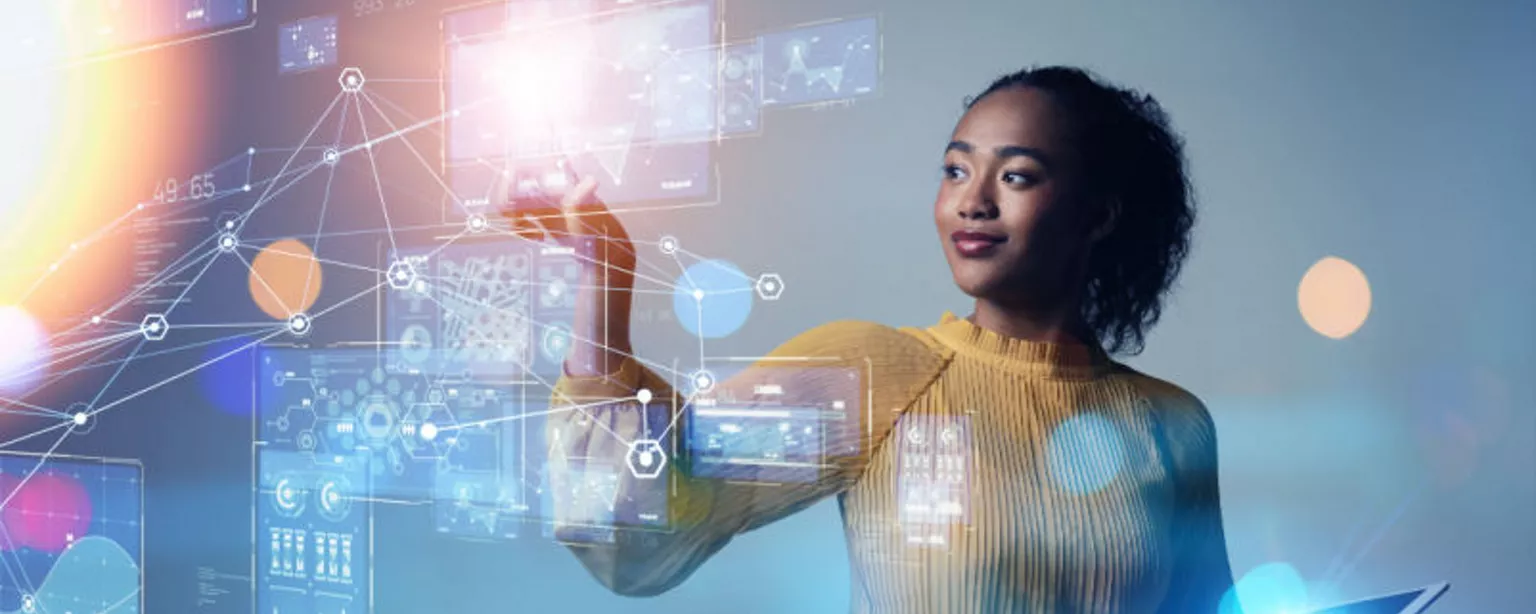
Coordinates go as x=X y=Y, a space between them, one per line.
x=698 y=295
x=428 y=431
x=251 y=151
x=229 y=224
x=285 y=278
x=53 y=267
x=1085 y=453
x=1334 y=297
x=73 y=247
x=95 y=319
x=246 y=187
x=643 y=395
x=1271 y=587
x=80 y=418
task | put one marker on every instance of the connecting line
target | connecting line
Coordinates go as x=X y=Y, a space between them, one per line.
x=37 y=410
x=574 y=337
x=163 y=277
x=92 y=413
x=743 y=275
x=536 y=377
x=99 y=348
x=42 y=459
x=402 y=132
x=263 y=198
x=526 y=415
x=275 y=296
x=187 y=290
x=325 y=203
x=189 y=346
x=339 y=263
x=430 y=170
x=374 y=163
x=594 y=261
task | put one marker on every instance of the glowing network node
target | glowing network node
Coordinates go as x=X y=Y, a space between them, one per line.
x=477 y=223
x=351 y=80
x=246 y=187
x=668 y=245
x=646 y=459
x=1086 y=453
x=703 y=381
x=80 y=418
x=643 y=395
x=713 y=298
x=154 y=327
x=770 y=286
x=227 y=242
x=299 y=324
x=401 y=275
x=95 y=319
x=250 y=151
x=331 y=155
x=428 y=431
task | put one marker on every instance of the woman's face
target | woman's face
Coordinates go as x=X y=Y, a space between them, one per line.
x=1006 y=211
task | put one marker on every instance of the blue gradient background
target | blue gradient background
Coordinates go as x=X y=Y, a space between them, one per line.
x=1396 y=135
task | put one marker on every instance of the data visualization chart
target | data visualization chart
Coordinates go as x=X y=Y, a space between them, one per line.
x=818 y=63
x=741 y=88
x=491 y=308
x=934 y=477
x=104 y=27
x=313 y=536
x=784 y=423
x=624 y=91
x=306 y=44
x=71 y=534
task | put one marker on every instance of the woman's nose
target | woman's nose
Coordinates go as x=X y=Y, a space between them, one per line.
x=976 y=206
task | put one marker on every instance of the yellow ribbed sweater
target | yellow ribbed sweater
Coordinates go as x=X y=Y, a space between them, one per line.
x=1086 y=486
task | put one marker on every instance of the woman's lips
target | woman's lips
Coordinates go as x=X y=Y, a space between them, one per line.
x=971 y=244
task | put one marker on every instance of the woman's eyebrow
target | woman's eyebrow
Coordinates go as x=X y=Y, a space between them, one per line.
x=1005 y=151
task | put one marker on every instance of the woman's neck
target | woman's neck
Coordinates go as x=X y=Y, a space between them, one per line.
x=1056 y=325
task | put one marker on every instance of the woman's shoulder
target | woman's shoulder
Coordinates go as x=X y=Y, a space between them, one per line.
x=860 y=339
x=1180 y=411
x=897 y=363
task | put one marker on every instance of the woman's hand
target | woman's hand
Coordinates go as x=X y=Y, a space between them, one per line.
x=600 y=328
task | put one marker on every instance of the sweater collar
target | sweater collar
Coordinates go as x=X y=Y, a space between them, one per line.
x=1063 y=360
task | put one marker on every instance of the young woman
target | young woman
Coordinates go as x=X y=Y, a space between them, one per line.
x=1082 y=485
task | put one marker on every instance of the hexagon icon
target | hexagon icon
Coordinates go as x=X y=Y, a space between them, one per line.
x=154 y=327
x=770 y=286
x=401 y=275
x=646 y=459
x=351 y=79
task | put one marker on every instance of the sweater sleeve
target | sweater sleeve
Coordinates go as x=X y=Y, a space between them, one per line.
x=1202 y=573
x=892 y=368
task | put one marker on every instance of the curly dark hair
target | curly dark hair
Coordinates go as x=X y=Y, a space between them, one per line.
x=1135 y=164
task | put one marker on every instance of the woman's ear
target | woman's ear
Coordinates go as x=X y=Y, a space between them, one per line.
x=1107 y=224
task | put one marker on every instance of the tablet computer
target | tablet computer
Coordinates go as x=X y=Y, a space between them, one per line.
x=1406 y=602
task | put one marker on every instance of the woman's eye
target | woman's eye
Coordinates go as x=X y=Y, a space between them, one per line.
x=1018 y=179
x=953 y=172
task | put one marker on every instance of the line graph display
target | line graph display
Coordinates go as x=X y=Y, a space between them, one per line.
x=818 y=63
x=71 y=534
